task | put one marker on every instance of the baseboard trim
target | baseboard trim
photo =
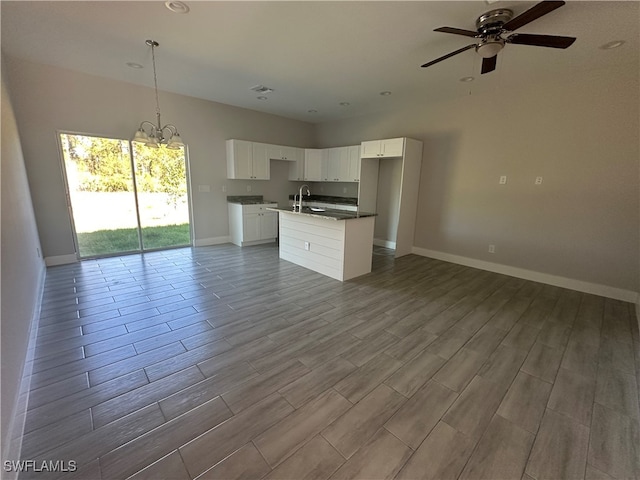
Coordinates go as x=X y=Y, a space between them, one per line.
x=555 y=280
x=204 y=242
x=384 y=243
x=19 y=415
x=60 y=260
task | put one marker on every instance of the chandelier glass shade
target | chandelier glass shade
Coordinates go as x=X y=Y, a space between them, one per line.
x=155 y=134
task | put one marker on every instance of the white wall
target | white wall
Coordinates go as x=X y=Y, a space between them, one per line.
x=22 y=276
x=581 y=134
x=48 y=99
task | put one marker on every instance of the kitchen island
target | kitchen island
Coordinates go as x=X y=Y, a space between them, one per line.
x=336 y=243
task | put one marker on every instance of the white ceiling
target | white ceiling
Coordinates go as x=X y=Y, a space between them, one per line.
x=313 y=54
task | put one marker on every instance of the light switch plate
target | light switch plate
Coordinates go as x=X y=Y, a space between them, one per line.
x=503 y=179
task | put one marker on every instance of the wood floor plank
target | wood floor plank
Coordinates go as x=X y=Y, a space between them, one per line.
x=522 y=358
x=369 y=348
x=573 y=395
x=286 y=436
x=317 y=460
x=214 y=445
x=257 y=388
x=524 y=404
x=170 y=467
x=245 y=463
x=543 y=362
x=417 y=417
x=146 y=449
x=560 y=448
x=502 y=452
x=443 y=454
x=618 y=391
x=201 y=392
x=131 y=401
x=473 y=409
x=460 y=369
x=348 y=433
x=614 y=443
x=316 y=381
x=408 y=379
x=359 y=383
x=502 y=366
x=379 y=459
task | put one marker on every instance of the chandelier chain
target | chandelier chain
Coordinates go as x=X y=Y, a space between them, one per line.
x=155 y=76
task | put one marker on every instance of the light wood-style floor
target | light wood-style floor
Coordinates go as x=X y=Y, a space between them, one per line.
x=222 y=362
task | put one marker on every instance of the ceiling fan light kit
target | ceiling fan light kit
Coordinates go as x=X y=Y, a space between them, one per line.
x=156 y=134
x=495 y=28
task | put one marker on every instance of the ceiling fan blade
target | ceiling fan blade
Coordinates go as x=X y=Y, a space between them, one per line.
x=489 y=64
x=456 y=31
x=532 y=14
x=553 y=41
x=449 y=55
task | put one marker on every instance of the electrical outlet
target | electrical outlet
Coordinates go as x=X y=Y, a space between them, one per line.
x=492 y=249
x=248 y=188
x=503 y=180
x=344 y=190
x=538 y=181
x=224 y=188
x=204 y=188
x=306 y=246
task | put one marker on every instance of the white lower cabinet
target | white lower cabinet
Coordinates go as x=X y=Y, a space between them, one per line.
x=252 y=224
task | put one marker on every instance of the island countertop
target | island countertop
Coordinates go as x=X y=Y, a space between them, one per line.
x=328 y=214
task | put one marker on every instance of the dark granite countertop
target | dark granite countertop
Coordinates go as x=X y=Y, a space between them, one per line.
x=327 y=214
x=247 y=199
x=327 y=199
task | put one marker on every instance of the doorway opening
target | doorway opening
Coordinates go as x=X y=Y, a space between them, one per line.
x=125 y=197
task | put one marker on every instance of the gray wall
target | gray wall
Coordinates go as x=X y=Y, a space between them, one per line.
x=48 y=99
x=388 y=201
x=22 y=275
x=580 y=133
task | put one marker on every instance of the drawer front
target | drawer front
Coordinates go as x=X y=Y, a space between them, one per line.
x=257 y=208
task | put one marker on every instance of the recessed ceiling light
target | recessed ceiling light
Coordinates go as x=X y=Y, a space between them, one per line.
x=386 y=93
x=312 y=111
x=261 y=97
x=467 y=79
x=176 y=6
x=344 y=104
x=134 y=65
x=613 y=44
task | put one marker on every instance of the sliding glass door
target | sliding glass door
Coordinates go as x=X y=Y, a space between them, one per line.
x=125 y=197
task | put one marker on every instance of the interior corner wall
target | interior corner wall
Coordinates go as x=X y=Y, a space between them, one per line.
x=21 y=280
x=580 y=133
x=50 y=99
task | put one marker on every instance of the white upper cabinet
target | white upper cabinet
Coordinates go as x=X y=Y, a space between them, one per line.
x=354 y=163
x=296 y=170
x=392 y=147
x=314 y=159
x=247 y=160
x=342 y=164
x=281 y=152
x=260 y=164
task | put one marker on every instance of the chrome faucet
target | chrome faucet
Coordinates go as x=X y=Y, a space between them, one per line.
x=300 y=197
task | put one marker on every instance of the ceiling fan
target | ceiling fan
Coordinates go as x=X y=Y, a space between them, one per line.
x=495 y=28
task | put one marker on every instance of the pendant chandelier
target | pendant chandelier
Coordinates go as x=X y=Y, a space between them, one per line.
x=154 y=135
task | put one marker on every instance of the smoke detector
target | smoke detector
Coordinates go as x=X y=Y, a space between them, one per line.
x=261 y=89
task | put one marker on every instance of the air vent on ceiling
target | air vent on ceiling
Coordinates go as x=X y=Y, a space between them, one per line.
x=261 y=89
